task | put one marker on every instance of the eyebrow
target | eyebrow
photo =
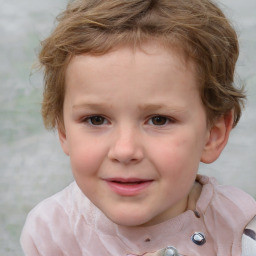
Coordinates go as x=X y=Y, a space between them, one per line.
x=155 y=107
x=150 y=107
x=91 y=105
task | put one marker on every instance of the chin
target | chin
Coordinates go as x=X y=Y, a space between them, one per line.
x=129 y=220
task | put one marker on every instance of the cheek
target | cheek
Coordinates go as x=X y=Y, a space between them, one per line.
x=85 y=159
x=86 y=163
x=178 y=156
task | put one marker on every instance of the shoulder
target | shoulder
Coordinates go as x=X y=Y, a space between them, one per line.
x=227 y=199
x=227 y=211
x=48 y=223
x=58 y=204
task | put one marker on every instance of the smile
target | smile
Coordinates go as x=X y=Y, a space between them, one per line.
x=128 y=187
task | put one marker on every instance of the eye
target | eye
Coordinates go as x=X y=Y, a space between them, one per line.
x=159 y=120
x=96 y=120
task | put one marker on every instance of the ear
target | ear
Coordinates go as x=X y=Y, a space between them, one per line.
x=63 y=140
x=218 y=138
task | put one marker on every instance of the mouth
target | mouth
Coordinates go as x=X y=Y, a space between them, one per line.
x=128 y=187
x=127 y=181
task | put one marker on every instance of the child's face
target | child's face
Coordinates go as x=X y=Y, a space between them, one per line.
x=135 y=131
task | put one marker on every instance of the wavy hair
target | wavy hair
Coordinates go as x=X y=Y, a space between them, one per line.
x=197 y=27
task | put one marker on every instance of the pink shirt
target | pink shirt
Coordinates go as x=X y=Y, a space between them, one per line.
x=69 y=224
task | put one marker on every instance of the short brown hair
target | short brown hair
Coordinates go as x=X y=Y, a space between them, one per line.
x=198 y=27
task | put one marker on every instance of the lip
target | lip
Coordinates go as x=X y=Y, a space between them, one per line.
x=128 y=187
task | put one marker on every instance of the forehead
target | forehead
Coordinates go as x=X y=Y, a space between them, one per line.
x=154 y=53
x=150 y=75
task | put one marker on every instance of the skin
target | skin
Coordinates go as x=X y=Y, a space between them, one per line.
x=136 y=130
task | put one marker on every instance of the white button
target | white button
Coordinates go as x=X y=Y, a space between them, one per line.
x=170 y=251
x=198 y=238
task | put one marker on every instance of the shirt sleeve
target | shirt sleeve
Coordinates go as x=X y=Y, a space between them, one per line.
x=249 y=239
x=28 y=245
x=47 y=232
x=38 y=237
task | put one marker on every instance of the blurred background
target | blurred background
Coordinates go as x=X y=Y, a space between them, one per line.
x=33 y=166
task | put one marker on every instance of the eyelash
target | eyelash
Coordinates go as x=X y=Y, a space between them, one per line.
x=104 y=121
x=167 y=120
x=88 y=120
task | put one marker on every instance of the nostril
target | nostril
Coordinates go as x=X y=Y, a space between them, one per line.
x=125 y=156
x=125 y=148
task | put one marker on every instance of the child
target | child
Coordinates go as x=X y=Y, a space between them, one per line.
x=140 y=92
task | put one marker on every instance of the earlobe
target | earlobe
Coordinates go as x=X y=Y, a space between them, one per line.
x=63 y=140
x=218 y=138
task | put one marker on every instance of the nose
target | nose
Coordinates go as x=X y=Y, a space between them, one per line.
x=126 y=147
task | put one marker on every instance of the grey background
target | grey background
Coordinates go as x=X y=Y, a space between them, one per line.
x=32 y=163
